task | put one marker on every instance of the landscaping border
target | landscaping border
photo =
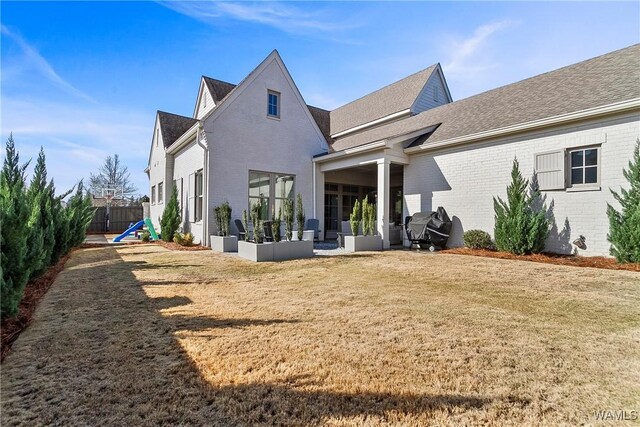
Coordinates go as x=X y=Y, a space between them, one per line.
x=550 y=258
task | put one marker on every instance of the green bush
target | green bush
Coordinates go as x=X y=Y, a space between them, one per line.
x=223 y=219
x=256 y=220
x=368 y=217
x=288 y=219
x=477 y=239
x=624 y=226
x=170 y=220
x=145 y=236
x=14 y=231
x=40 y=198
x=355 y=217
x=275 y=225
x=300 y=215
x=80 y=213
x=245 y=224
x=185 y=239
x=521 y=223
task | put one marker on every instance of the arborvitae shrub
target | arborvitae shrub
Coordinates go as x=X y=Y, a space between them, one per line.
x=521 y=223
x=355 y=217
x=624 y=226
x=300 y=215
x=288 y=219
x=170 y=220
x=14 y=232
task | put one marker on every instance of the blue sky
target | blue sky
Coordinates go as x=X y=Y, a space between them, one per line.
x=84 y=79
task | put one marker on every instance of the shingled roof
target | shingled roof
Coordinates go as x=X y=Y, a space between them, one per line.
x=218 y=88
x=390 y=99
x=173 y=126
x=604 y=80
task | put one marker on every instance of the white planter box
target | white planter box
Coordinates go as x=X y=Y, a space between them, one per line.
x=273 y=251
x=224 y=244
x=362 y=243
x=292 y=250
x=255 y=252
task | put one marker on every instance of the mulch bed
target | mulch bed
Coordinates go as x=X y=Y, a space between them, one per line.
x=12 y=327
x=548 y=258
x=176 y=247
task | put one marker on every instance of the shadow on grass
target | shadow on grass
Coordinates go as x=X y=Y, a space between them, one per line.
x=122 y=363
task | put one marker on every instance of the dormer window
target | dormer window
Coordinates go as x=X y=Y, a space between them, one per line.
x=273 y=104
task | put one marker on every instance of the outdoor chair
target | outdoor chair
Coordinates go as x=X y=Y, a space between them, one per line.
x=241 y=231
x=313 y=224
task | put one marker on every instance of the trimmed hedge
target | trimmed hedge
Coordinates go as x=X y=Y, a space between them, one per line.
x=478 y=239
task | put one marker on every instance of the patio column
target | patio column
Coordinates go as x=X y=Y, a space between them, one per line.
x=384 y=178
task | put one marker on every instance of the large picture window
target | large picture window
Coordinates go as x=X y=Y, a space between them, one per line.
x=272 y=188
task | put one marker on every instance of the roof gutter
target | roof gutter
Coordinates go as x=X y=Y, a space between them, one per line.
x=184 y=139
x=352 y=151
x=617 y=107
x=376 y=122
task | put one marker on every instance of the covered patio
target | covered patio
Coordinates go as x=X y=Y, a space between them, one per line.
x=373 y=171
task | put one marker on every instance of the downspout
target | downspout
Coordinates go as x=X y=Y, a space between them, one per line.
x=315 y=201
x=201 y=139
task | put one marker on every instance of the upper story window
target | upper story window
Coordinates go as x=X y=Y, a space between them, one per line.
x=436 y=93
x=584 y=166
x=157 y=136
x=273 y=104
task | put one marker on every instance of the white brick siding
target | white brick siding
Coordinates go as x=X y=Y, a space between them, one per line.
x=464 y=179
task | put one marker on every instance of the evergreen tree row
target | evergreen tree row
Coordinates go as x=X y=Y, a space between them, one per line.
x=36 y=226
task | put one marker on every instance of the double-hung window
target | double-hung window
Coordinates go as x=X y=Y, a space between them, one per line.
x=153 y=194
x=584 y=165
x=160 y=192
x=273 y=104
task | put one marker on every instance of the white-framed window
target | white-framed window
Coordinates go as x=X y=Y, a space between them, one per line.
x=568 y=169
x=204 y=100
x=273 y=104
x=153 y=194
x=272 y=188
x=157 y=136
x=199 y=195
x=160 y=192
x=436 y=93
x=584 y=167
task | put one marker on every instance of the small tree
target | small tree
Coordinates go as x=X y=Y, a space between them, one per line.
x=521 y=223
x=355 y=218
x=60 y=223
x=275 y=225
x=245 y=224
x=14 y=231
x=300 y=215
x=40 y=198
x=80 y=212
x=170 y=220
x=624 y=226
x=112 y=174
x=368 y=217
x=256 y=219
x=225 y=214
x=218 y=218
x=288 y=219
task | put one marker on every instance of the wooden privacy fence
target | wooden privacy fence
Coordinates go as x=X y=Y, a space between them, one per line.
x=119 y=219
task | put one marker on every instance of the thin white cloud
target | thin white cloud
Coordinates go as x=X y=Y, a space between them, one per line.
x=467 y=55
x=283 y=17
x=36 y=60
x=77 y=138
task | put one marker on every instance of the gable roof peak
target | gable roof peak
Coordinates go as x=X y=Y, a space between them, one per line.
x=392 y=98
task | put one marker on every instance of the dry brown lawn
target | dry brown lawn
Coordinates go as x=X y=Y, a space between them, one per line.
x=140 y=335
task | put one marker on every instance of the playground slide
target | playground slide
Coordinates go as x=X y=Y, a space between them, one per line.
x=152 y=230
x=130 y=230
